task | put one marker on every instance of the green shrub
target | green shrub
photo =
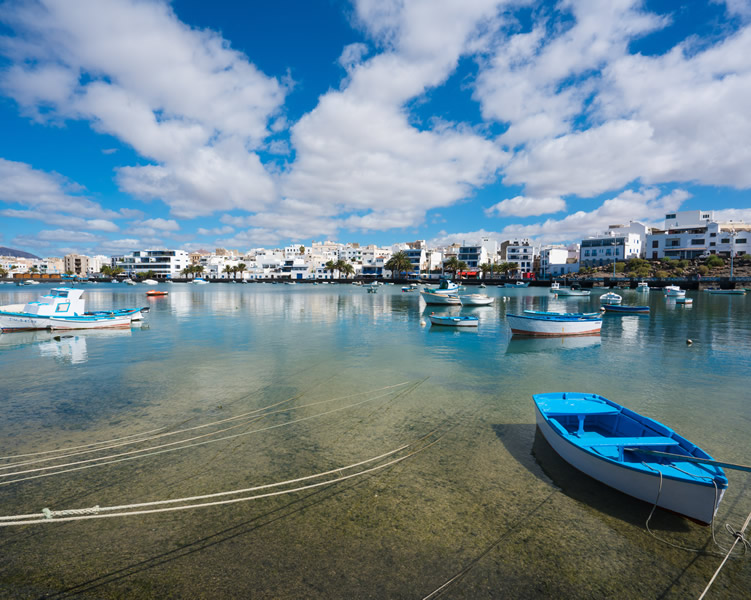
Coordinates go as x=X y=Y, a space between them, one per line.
x=714 y=261
x=703 y=269
x=662 y=274
x=683 y=263
x=620 y=267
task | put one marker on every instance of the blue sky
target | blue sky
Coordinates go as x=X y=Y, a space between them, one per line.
x=130 y=124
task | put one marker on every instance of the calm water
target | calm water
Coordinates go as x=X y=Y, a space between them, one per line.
x=316 y=378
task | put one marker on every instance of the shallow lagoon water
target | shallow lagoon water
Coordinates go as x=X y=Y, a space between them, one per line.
x=338 y=376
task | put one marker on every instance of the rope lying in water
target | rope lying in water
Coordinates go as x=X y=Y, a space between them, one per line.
x=739 y=537
x=125 y=441
x=172 y=446
x=97 y=512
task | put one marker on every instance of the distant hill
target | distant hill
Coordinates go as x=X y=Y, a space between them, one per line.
x=17 y=253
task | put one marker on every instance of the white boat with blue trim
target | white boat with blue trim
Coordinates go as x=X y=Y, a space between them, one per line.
x=439 y=299
x=553 y=325
x=631 y=453
x=452 y=321
x=446 y=286
x=62 y=308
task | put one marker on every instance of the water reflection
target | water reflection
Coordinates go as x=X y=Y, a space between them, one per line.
x=63 y=347
x=520 y=345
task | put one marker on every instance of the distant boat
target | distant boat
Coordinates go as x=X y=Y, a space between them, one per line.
x=673 y=291
x=446 y=286
x=625 y=309
x=156 y=293
x=129 y=281
x=454 y=321
x=614 y=445
x=201 y=281
x=517 y=284
x=642 y=286
x=610 y=298
x=734 y=292
x=150 y=281
x=554 y=287
x=545 y=325
x=573 y=290
x=409 y=288
x=476 y=300
x=431 y=298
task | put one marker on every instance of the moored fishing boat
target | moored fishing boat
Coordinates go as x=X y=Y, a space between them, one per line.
x=476 y=300
x=642 y=286
x=625 y=309
x=549 y=325
x=613 y=445
x=431 y=298
x=674 y=291
x=733 y=292
x=62 y=308
x=610 y=298
x=548 y=313
x=573 y=290
x=446 y=286
x=517 y=284
x=452 y=321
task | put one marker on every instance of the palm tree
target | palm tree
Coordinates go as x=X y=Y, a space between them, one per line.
x=115 y=271
x=398 y=263
x=106 y=270
x=331 y=266
x=198 y=269
x=3 y=273
x=227 y=270
x=345 y=268
x=452 y=265
x=241 y=268
x=487 y=268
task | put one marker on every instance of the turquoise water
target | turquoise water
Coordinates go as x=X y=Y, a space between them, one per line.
x=315 y=378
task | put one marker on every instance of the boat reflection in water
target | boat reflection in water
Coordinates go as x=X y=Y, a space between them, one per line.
x=522 y=345
x=63 y=347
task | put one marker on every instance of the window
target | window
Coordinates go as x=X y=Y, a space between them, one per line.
x=655 y=244
x=705 y=217
x=741 y=241
x=712 y=244
x=697 y=242
x=725 y=240
x=670 y=216
x=712 y=235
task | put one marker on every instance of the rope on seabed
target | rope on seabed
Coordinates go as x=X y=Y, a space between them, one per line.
x=121 y=442
x=739 y=537
x=711 y=525
x=99 y=512
x=164 y=448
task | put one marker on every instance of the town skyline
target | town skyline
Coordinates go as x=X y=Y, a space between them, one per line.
x=131 y=125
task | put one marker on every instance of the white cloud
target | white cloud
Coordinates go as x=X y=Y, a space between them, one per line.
x=216 y=230
x=179 y=96
x=525 y=206
x=45 y=192
x=160 y=224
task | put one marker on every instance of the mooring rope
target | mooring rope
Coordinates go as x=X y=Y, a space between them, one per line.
x=739 y=537
x=164 y=448
x=98 y=512
x=255 y=412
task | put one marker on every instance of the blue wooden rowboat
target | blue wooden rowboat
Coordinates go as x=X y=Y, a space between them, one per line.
x=631 y=453
x=454 y=321
x=625 y=309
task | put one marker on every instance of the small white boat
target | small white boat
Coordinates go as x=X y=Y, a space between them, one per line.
x=642 y=286
x=150 y=281
x=579 y=315
x=476 y=300
x=62 y=308
x=573 y=290
x=673 y=291
x=733 y=292
x=554 y=287
x=517 y=284
x=451 y=321
x=631 y=453
x=431 y=298
x=200 y=281
x=549 y=325
x=129 y=281
x=445 y=287
x=610 y=298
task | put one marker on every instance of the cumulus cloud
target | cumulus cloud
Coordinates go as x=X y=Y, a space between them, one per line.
x=180 y=97
x=525 y=206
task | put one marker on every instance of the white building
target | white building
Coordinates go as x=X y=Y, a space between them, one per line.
x=618 y=243
x=556 y=261
x=695 y=233
x=166 y=264
x=523 y=253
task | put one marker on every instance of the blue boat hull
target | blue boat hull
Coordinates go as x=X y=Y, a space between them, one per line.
x=576 y=426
